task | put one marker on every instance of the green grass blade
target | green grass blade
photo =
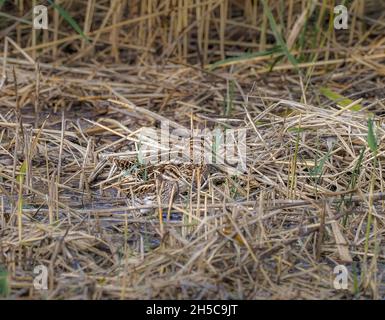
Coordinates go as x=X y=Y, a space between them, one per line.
x=352 y=184
x=69 y=19
x=296 y=129
x=278 y=36
x=23 y=171
x=357 y=169
x=372 y=141
x=317 y=171
x=4 y=285
x=244 y=57
x=230 y=98
x=337 y=98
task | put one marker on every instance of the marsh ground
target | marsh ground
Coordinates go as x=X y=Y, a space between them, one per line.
x=312 y=197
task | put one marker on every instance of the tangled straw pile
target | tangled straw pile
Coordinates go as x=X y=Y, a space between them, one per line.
x=312 y=197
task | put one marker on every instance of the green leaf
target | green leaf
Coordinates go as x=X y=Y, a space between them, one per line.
x=372 y=141
x=1 y=3
x=4 y=285
x=337 y=98
x=278 y=36
x=319 y=168
x=296 y=129
x=230 y=98
x=69 y=19
x=244 y=57
x=274 y=63
x=23 y=171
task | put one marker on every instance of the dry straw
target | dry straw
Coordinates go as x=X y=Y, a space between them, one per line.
x=71 y=104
